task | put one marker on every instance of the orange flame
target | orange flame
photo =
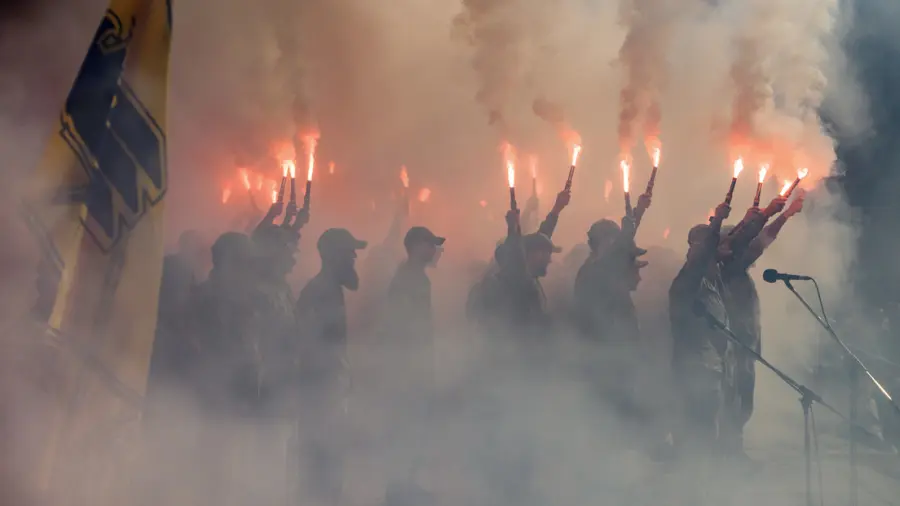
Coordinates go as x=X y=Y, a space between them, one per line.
x=259 y=182
x=626 y=169
x=404 y=176
x=311 y=142
x=802 y=173
x=509 y=154
x=785 y=187
x=288 y=169
x=532 y=161
x=331 y=167
x=607 y=189
x=654 y=149
x=274 y=191
x=483 y=203
x=245 y=178
x=738 y=167
x=763 y=169
x=226 y=194
x=576 y=150
x=424 y=195
x=666 y=233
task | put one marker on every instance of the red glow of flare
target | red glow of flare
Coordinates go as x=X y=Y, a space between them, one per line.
x=785 y=187
x=532 y=161
x=424 y=195
x=625 y=165
x=607 y=189
x=226 y=194
x=483 y=203
x=738 y=167
x=274 y=191
x=245 y=178
x=331 y=167
x=510 y=155
x=259 y=182
x=763 y=169
x=666 y=233
x=802 y=173
x=404 y=176
x=311 y=141
x=576 y=150
x=654 y=149
x=288 y=169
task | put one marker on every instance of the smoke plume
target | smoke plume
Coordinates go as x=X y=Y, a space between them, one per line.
x=643 y=58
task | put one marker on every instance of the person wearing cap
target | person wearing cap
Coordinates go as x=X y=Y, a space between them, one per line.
x=322 y=315
x=225 y=376
x=407 y=340
x=485 y=292
x=277 y=319
x=605 y=313
x=696 y=362
x=520 y=300
x=744 y=314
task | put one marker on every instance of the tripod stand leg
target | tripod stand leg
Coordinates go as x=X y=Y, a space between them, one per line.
x=854 y=397
x=806 y=451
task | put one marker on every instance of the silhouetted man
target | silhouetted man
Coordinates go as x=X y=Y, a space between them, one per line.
x=322 y=314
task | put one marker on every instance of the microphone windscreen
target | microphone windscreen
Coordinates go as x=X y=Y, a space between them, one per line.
x=770 y=275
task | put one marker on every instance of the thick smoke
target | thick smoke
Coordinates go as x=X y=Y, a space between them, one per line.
x=387 y=87
x=643 y=59
x=493 y=30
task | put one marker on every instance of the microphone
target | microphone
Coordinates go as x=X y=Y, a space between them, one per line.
x=771 y=276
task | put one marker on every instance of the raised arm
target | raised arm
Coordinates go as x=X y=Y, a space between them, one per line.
x=548 y=226
x=702 y=252
x=768 y=235
x=513 y=249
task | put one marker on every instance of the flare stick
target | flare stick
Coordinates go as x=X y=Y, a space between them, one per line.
x=786 y=193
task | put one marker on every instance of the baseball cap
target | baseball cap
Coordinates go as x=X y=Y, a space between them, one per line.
x=232 y=244
x=417 y=235
x=698 y=233
x=339 y=240
x=602 y=231
x=539 y=241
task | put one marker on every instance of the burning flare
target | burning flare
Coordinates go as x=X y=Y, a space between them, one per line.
x=532 y=161
x=483 y=203
x=288 y=169
x=626 y=168
x=509 y=155
x=802 y=173
x=404 y=176
x=259 y=182
x=763 y=169
x=576 y=150
x=654 y=150
x=311 y=141
x=226 y=194
x=424 y=195
x=331 y=167
x=245 y=178
x=738 y=167
x=785 y=187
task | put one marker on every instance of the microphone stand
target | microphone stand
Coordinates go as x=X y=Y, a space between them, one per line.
x=856 y=367
x=807 y=396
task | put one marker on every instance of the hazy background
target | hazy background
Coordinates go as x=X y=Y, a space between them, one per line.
x=418 y=83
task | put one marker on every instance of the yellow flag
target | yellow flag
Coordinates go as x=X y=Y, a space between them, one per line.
x=95 y=205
